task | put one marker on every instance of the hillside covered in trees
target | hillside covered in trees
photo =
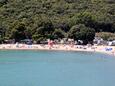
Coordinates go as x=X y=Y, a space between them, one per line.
x=43 y=19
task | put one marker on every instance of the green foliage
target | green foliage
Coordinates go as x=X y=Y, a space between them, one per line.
x=81 y=32
x=2 y=2
x=106 y=35
x=41 y=17
x=87 y=34
x=58 y=33
x=18 y=32
x=74 y=32
x=38 y=38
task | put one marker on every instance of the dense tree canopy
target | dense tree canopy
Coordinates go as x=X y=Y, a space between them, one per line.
x=42 y=19
x=81 y=32
x=106 y=35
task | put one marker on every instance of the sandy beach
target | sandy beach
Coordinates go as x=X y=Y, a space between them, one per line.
x=101 y=49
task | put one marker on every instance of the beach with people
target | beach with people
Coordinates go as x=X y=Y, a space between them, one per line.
x=62 y=47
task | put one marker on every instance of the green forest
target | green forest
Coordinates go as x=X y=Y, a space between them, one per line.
x=56 y=19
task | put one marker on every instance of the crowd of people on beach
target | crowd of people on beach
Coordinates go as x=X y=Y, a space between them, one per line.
x=51 y=45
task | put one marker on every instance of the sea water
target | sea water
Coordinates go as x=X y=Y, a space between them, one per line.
x=56 y=68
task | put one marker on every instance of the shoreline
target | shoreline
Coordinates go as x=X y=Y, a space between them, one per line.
x=99 y=49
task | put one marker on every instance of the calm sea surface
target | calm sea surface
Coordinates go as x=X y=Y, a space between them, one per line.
x=56 y=68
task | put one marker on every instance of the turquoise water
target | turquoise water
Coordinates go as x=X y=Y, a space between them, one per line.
x=56 y=68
